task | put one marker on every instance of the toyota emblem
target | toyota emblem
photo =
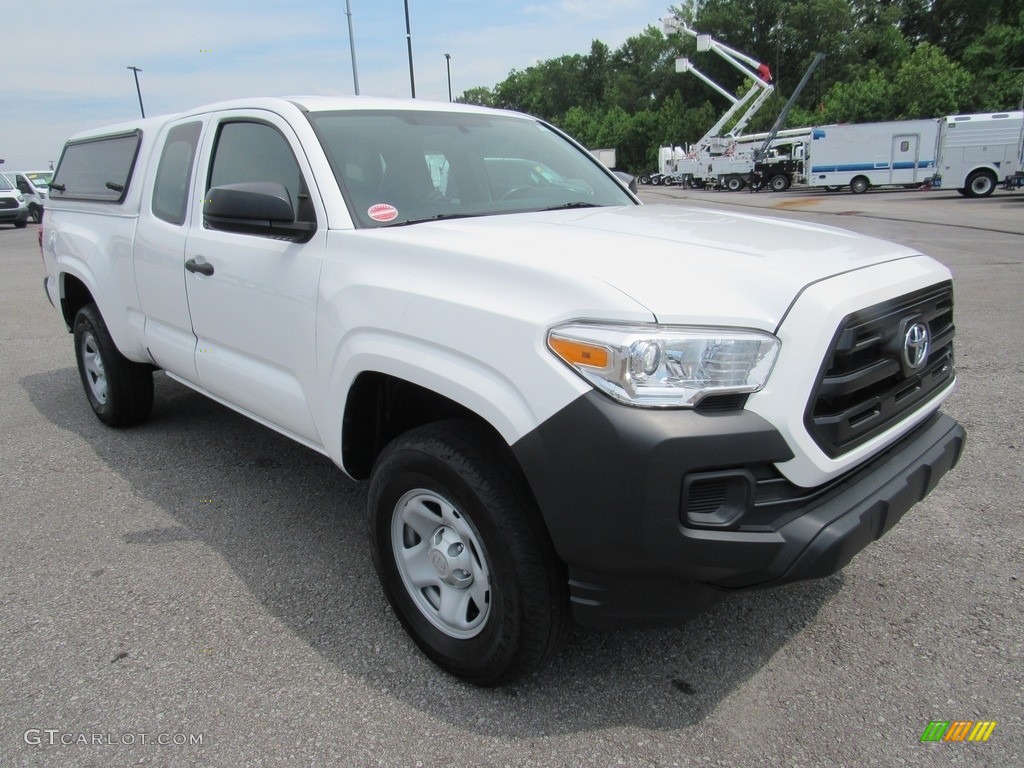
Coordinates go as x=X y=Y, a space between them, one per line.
x=915 y=346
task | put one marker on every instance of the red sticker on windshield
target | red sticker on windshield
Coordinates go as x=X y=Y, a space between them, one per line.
x=382 y=212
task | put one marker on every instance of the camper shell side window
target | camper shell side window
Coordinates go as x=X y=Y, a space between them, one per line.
x=98 y=169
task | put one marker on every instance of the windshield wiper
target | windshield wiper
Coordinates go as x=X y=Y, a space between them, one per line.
x=438 y=217
x=568 y=206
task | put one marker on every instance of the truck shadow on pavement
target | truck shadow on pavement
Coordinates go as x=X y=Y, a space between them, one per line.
x=292 y=528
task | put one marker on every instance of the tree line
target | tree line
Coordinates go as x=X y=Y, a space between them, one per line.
x=884 y=60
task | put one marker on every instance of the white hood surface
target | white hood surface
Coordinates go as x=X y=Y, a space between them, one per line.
x=679 y=263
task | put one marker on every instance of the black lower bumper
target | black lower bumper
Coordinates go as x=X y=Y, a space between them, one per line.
x=609 y=481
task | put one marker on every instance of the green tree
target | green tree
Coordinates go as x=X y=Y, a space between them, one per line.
x=929 y=84
x=481 y=96
x=867 y=99
x=996 y=61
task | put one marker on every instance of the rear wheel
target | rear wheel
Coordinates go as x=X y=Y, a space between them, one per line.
x=119 y=390
x=859 y=185
x=734 y=183
x=463 y=556
x=980 y=184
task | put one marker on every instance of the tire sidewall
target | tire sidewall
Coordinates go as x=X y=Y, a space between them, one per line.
x=985 y=188
x=484 y=658
x=87 y=321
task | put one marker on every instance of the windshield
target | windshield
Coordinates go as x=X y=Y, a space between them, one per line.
x=40 y=179
x=399 y=167
x=5 y=184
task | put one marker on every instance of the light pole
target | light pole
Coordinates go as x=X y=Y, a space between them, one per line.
x=408 y=39
x=352 y=46
x=138 y=90
x=448 y=63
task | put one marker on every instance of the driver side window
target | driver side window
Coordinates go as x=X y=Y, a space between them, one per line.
x=249 y=151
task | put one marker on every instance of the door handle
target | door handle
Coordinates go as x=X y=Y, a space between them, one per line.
x=203 y=268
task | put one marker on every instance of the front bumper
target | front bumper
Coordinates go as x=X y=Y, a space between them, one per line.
x=610 y=481
x=13 y=215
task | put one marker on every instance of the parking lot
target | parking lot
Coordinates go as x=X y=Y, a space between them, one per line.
x=199 y=590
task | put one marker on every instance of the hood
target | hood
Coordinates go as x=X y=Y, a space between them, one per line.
x=681 y=264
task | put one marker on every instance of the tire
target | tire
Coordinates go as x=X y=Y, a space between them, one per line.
x=832 y=188
x=779 y=183
x=734 y=183
x=20 y=224
x=980 y=184
x=451 y=523
x=35 y=213
x=645 y=179
x=120 y=391
x=859 y=185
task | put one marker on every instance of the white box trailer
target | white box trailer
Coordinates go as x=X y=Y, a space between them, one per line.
x=866 y=155
x=605 y=156
x=977 y=152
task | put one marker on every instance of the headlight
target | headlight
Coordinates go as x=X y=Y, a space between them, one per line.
x=665 y=366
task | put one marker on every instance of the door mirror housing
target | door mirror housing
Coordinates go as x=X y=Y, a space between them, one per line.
x=261 y=208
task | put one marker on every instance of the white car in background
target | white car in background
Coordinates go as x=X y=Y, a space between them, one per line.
x=13 y=207
x=35 y=186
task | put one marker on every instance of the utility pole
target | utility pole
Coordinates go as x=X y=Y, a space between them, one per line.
x=448 y=62
x=138 y=90
x=408 y=40
x=352 y=46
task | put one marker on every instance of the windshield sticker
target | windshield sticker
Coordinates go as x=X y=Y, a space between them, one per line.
x=382 y=212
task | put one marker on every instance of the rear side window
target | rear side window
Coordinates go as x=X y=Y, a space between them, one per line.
x=97 y=169
x=174 y=174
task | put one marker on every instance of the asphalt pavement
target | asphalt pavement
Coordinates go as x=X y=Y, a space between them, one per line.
x=198 y=591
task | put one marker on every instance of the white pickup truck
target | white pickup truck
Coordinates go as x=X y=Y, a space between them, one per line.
x=568 y=405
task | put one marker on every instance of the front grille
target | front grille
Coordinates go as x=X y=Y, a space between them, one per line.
x=866 y=384
x=8 y=202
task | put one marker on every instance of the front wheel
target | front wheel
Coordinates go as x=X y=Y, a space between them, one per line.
x=463 y=556
x=859 y=185
x=35 y=213
x=779 y=183
x=119 y=390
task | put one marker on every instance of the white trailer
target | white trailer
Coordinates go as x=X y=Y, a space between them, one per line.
x=976 y=152
x=605 y=156
x=867 y=155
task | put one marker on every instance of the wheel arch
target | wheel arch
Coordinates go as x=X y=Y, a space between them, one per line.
x=74 y=294
x=381 y=406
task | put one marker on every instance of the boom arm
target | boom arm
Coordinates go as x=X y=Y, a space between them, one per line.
x=757 y=72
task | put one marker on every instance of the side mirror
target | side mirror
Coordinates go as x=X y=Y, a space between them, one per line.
x=628 y=180
x=260 y=208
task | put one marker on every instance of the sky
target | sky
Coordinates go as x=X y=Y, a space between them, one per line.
x=66 y=61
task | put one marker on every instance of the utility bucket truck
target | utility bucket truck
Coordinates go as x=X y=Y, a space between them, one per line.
x=694 y=168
